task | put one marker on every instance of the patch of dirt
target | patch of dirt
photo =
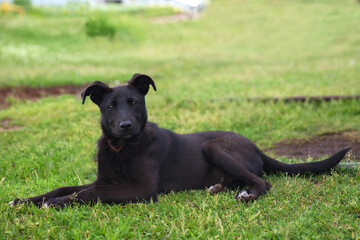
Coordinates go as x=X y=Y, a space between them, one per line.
x=6 y=124
x=35 y=93
x=319 y=146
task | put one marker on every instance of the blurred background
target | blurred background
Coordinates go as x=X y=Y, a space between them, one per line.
x=259 y=48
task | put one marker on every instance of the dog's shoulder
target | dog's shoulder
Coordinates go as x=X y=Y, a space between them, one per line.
x=152 y=133
x=157 y=137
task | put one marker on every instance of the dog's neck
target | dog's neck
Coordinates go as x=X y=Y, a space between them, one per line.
x=114 y=147
x=118 y=144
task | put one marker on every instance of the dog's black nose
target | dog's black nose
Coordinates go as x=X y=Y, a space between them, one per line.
x=125 y=124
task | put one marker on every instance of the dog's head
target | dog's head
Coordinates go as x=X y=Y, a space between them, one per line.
x=123 y=109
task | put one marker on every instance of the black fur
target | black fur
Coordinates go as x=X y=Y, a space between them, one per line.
x=137 y=159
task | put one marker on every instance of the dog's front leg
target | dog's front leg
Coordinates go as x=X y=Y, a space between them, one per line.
x=56 y=193
x=122 y=193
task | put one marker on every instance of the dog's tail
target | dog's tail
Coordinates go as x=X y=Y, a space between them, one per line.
x=271 y=165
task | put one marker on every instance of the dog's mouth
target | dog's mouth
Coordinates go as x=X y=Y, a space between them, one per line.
x=125 y=134
x=118 y=133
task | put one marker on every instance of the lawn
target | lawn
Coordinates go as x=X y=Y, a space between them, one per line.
x=205 y=69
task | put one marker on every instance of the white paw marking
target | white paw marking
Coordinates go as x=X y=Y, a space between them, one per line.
x=12 y=203
x=242 y=195
x=216 y=188
x=212 y=189
x=46 y=205
x=245 y=196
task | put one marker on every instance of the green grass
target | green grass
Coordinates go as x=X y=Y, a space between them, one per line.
x=204 y=70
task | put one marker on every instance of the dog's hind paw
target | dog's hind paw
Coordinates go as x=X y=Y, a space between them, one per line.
x=217 y=188
x=244 y=196
x=46 y=205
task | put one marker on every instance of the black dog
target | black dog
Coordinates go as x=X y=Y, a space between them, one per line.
x=137 y=159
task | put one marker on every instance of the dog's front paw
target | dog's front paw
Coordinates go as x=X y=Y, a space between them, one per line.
x=17 y=201
x=58 y=202
x=14 y=202
x=37 y=201
x=244 y=196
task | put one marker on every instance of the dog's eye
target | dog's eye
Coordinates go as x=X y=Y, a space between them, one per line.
x=132 y=102
x=110 y=107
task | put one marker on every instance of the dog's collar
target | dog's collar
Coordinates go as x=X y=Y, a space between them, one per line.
x=114 y=148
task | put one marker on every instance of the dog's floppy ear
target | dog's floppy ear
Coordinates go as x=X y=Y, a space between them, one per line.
x=141 y=82
x=96 y=91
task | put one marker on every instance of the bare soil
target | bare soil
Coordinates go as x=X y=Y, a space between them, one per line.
x=7 y=124
x=319 y=146
x=29 y=93
x=315 y=147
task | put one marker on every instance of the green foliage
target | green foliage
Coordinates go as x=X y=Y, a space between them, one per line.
x=100 y=27
x=124 y=28
x=25 y=3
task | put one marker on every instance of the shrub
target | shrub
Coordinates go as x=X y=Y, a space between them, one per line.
x=25 y=3
x=100 y=26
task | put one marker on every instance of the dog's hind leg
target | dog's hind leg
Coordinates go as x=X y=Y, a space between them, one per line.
x=245 y=171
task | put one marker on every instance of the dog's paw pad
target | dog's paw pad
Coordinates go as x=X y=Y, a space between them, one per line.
x=244 y=196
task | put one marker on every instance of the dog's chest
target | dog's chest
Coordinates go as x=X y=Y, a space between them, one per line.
x=114 y=172
x=119 y=175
